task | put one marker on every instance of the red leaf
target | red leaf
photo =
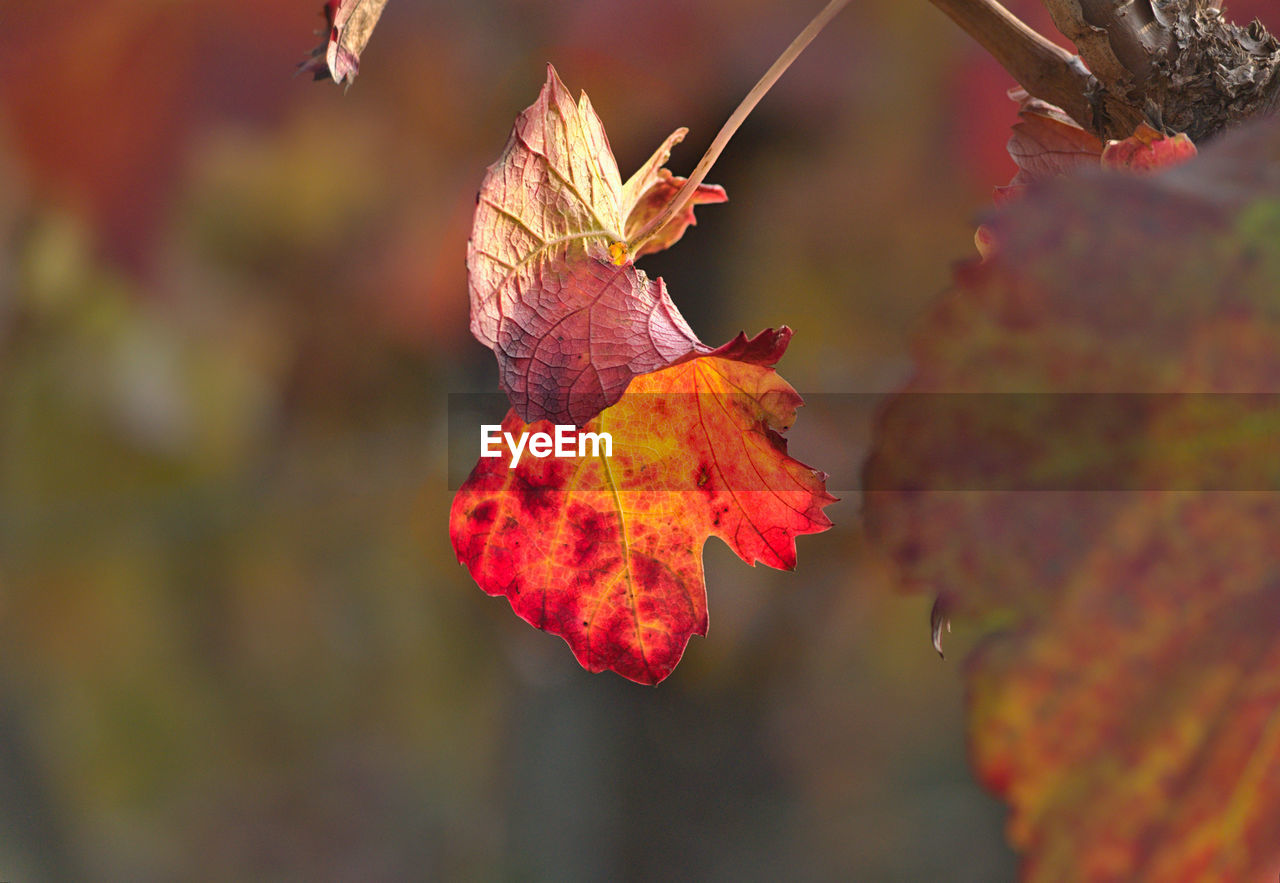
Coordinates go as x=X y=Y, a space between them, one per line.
x=1147 y=150
x=1135 y=735
x=1046 y=143
x=570 y=324
x=1128 y=712
x=607 y=551
x=350 y=24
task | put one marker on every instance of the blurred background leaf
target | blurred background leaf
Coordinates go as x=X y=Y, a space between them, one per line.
x=1123 y=571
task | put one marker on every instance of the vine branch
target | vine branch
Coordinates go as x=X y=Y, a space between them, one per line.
x=1178 y=65
x=1043 y=68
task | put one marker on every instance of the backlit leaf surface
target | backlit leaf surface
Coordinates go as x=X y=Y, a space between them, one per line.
x=1124 y=540
x=607 y=551
x=570 y=320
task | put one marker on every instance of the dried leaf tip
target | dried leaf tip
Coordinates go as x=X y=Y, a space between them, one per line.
x=350 y=24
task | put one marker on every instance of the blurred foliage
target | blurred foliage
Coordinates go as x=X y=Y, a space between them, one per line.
x=236 y=642
x=1126 y=705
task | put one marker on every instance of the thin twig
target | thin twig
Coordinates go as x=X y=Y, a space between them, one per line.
x=685 y=193
x=1043 y=68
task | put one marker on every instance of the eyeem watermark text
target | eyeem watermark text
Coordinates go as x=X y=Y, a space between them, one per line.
x=566 y=441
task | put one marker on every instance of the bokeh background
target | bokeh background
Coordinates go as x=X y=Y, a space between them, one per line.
x=234 y=640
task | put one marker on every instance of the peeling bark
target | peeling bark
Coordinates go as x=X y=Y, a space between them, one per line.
x=1217 y=74
x=1177 y=65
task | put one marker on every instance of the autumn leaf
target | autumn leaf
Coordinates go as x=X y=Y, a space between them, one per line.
x=1046 y=143
x=1147 y=150
x=1126 y=557
x=554 y=292
x=1136 y=736
x=349 y=25
x=606 y=551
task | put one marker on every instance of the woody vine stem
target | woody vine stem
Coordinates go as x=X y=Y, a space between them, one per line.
x=1177 y=65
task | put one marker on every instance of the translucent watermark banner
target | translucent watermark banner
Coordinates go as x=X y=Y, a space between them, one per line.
x=912 y=442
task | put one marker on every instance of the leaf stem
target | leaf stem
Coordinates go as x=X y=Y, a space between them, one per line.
x=771 y=76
